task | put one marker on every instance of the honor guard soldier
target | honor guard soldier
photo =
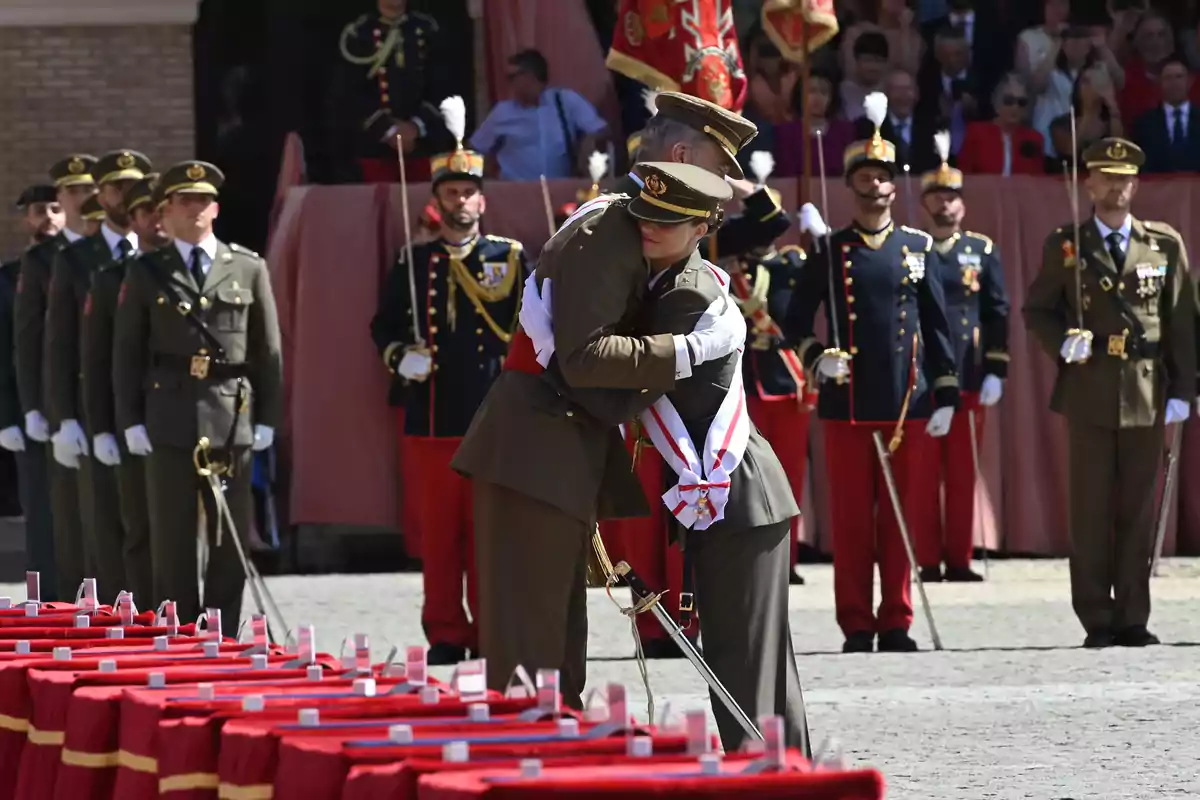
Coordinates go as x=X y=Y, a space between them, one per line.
x=778 y=396
x=73 y=181
x=444 y=358
x=890 y=364
x=198 y=381
x=42 y=219
x=968 y=265
x=77 y=437
x=1113 y=305
x=391 y=80
x=96 y=354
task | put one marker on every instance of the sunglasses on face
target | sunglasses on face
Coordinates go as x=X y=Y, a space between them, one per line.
x=1015 y=100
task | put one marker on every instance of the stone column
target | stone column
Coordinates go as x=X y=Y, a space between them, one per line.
x=90 y=76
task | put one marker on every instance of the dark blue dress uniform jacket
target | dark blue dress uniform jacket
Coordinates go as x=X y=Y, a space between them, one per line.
x=976 y=306
x=885 y=299
x=468 y=342
x=763 y=371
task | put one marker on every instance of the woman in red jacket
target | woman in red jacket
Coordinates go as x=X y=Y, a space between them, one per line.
x=1006 y=145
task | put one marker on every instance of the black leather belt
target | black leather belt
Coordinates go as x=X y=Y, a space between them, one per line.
x=202 y=367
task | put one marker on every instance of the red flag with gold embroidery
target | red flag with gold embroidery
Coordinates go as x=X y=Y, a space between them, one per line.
x=797 y=27
x=685 y=46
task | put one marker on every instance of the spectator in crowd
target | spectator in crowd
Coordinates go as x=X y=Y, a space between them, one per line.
x=1153 y=42
x=836 y=133
x=1038 y=46
x=866 y=76
x=989 y=46
x=911 y=134
x=1052 y=80
x=895 y=19
x=1096 y=115
x=540 y=130
x=1169 y=134
x=950 y=90
x=1006 y=145
x=772 y=80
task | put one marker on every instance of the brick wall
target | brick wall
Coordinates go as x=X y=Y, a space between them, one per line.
x=90 y=89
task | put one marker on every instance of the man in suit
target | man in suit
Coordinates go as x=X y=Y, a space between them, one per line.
x=950 y=86
x=989 y=46
x=1126 y=367
x=1169 y=134
x=574 y=469
x=79 y=438
x=197 y=375
x=42 y=219
x=911 y=133
x=74 y=184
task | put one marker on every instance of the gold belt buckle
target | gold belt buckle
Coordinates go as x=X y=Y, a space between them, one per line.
x=200 y=364
x=1116 y=345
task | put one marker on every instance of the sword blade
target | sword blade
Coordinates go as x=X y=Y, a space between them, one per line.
x=1164 y=509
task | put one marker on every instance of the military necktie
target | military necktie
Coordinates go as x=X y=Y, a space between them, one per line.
x=1114 y=240
x=124 y=248
x=197 y=268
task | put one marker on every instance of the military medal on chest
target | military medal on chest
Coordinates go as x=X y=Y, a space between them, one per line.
x=915 y=264
x=1150 y=279
x=970 y=265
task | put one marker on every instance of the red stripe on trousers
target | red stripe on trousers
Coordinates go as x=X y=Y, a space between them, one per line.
x=441 y=500
x=950 y=464
x=864 y=526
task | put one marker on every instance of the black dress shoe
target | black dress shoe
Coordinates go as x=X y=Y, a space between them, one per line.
x=962 y=575
x=1098 y=639
x=1135 y=636
x=795 y=578
x=444 y=655
x=859 y=642
x=931 y=574
x=897 y=640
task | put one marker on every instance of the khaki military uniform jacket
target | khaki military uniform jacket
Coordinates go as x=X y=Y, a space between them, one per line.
x=1142 y=319
x=169 y=377
x=530 y=435
x=29 y=319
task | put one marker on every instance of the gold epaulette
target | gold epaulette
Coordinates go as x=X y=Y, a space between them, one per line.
x=918 y=232
x=491 y=237
x=792 y=248
x=987 y=242
x=246 y=251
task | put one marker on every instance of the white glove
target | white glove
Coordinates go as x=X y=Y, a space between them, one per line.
x=991 y=390
x=1077 y=347
x=264 y=437
x=64 y=453
x=415 y=366
x=835 y=366
x=811 y=222
x=138 y=441
x=12 y=440
x=107 y=451
x=939 y=423
x=1177 y=411
x=73 y=439
x=720 y=331
x=536 y=320
x=36 y=426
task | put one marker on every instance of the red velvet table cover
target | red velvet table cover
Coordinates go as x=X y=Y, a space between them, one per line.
x=11 y=626
x=46 y=639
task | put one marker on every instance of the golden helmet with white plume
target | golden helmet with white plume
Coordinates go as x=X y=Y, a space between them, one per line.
x=597 y=169
x=945 y=177
x=462 y=164
x=875 y=151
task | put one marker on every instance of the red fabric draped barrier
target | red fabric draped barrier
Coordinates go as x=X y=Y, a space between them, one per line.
x=332 y=245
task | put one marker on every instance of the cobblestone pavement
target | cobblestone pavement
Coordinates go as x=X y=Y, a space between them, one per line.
x=1012 y=708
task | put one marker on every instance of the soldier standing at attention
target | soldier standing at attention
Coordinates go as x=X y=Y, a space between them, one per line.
x=96 y=356
x=42 y=219
x=391 y=80
x=74 y=269
x=74 y=183
x=968 y=265
x=885 y=306
x=196 y=354
x=467 y=290
x=1126 y=360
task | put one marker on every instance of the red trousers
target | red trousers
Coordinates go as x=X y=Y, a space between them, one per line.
x=441 y=502
x=642 y=542
x=948 y=462
x=784 y=424
x=387 y=170
x=865 y=531
x=408 y=517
